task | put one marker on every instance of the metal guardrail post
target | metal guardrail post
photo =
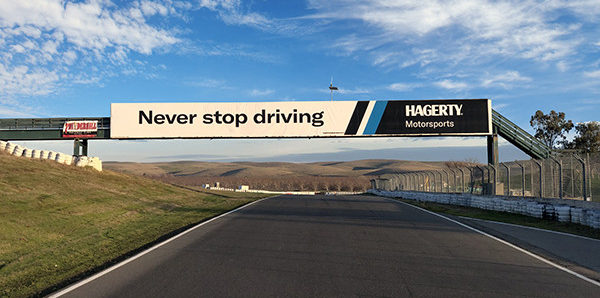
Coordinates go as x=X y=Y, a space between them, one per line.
x=585 y=198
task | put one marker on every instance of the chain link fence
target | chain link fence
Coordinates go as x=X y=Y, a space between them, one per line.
x=565 y=175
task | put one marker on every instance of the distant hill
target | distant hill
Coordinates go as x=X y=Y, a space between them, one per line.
x=315 y=176
x=367 y=167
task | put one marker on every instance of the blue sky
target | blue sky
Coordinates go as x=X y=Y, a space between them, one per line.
x=72 y=58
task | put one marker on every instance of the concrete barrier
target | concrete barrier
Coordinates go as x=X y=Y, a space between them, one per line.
x=44 y=154
x=10 y=147
x=27 y=153
x=60 y=158
x=579 y=212
x=3 y=145
x=18 y=151
x=35 y=154
x=81 y=161
x=68 y=159
x=95 y=163
x=51 y=155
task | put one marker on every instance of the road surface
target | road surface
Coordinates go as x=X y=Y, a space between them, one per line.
x=334 y=246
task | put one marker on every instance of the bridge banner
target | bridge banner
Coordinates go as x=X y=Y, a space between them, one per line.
x=298 y=119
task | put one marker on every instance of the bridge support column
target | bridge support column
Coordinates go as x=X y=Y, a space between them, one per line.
x=492 y=152
x=80 y=147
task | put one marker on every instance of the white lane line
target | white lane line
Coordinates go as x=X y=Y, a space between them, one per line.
x=594 y=282
x=125 y=262
x=531 y=228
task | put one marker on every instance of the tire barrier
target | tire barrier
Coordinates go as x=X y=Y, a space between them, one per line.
x=587 y=213
x=62 y=158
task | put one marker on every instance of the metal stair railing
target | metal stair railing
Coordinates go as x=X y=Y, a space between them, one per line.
x=519 y=137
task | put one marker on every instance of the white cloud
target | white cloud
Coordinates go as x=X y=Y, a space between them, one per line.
x=451 y=85
x=12 y=112
x=402 y=87
x=258 y=92
x=208 y=83
x=93 y=24
x=505 y=80
x=44 y=38
x=455 y=31
x=592 y=74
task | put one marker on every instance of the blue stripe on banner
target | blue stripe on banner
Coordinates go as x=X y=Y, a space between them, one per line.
x=375 y=117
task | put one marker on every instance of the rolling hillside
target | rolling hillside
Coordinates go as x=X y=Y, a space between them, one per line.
x=371 y=167
x=58 y=221
x=316 y=176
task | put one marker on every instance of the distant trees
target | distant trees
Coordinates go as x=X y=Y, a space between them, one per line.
x=588 y=137
x=552 y=128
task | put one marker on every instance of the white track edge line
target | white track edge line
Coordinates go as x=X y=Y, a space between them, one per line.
x=557 y=266
x=528 y=227
x=124 y=262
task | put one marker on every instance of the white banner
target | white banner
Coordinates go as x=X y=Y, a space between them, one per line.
x=236 y=120
x=301 y=119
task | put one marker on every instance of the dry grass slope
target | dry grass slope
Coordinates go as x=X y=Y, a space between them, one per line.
x=58 y=221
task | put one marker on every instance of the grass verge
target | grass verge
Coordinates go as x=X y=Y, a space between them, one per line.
x=506 y=217
x=58 y=222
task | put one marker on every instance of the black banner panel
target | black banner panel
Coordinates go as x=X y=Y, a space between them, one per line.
x=436 y=117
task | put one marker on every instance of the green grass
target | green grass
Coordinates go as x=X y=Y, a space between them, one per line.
x=57 y=221
x=518 y=219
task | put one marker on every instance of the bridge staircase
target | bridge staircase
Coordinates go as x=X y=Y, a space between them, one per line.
x=519 y=137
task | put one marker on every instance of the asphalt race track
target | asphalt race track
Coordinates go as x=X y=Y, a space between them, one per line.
x=340 y=246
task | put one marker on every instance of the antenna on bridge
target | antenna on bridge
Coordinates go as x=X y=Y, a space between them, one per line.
x=332 y=88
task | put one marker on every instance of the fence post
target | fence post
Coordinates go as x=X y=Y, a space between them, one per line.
x=462 y=180
x=454 y=174
x=447 y=180
x=471 y=179
x=432 y=183
x=583 y=175
x=494 y=183
x=560 y=180
x=539 y=164
x=522 y=178
x=507 y=178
